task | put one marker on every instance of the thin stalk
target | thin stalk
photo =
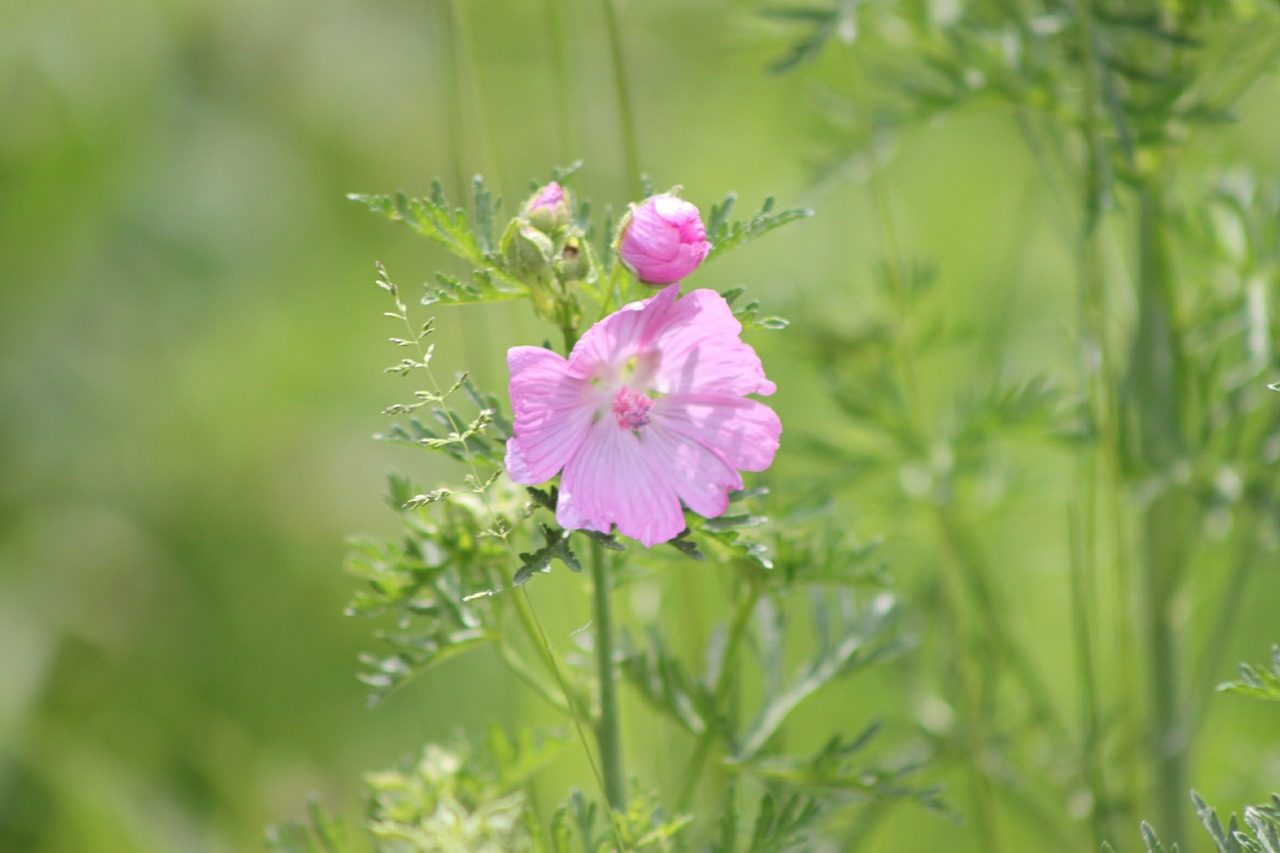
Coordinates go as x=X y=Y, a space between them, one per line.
x=622 y=91
x=1228 y=615
x=451 y=71
x=566 y=129
x=1083 y=569
x=608 y=732
x=1098 y=366
x=720 y=692
x=971 y=569
x=1154 y=384
x=964 y=571
x=524 y=607
x=970 y=691
x=470 y=60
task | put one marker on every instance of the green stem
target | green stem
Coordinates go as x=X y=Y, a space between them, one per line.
x=451 y=71
x=1228 y=615
x=956 y=575
x=622 y=90
x=566 y=130
x=728 y=665
x=470 y=58
x=608 y=733
x=1083 y=572
x=1154 y=380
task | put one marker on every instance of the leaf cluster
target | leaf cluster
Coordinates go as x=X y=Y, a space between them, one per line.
x=1260 y=833
x=435 y=581
x=1127 y=82
x=1257 y=681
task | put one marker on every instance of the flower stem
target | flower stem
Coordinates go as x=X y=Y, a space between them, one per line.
x=728 y=666
x=608 y=734
x=622 y=90
x=566 y=129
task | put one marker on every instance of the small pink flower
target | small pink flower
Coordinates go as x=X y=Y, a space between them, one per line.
x=648 y=411
x=663 y=240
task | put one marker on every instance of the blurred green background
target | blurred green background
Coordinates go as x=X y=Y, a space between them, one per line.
x=191 y=347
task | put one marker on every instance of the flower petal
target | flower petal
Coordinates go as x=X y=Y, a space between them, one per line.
x=552 y=409
x=614 y=479
x=701 y=349
x=607 y=346
x=743 y=433
x=701 y=476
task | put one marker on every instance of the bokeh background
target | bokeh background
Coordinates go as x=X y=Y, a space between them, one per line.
x=191 y=349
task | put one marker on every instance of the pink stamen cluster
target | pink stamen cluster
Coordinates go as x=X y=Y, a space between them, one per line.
x=631 y=409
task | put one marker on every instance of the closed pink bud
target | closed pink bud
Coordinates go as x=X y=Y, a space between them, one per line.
x=549 y=196
x=548 y=209
x=663 y=240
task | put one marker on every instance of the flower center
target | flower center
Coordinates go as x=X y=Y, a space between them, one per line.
x=631 y=408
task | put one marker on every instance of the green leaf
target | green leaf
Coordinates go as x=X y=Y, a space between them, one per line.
x=851 y=637
x=322 y=833
x=466 y=237
x=724 y=236
x=1153 y=843
x=822 y=24
x=780 y=828
x=663 y=682
x=557 y=548
x=1257 y=681
x=1209 y=818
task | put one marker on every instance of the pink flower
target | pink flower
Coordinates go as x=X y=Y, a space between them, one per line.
x=663 y=240
x=648 y=411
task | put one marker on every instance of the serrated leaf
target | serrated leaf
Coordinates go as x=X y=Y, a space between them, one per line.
x=725 y=236
x=557 y=548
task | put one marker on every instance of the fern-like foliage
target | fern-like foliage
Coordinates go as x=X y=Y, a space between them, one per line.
x=1259 y=834
x=725 y=235
x=433 y=582
x=1260 y=681
x=468 y=236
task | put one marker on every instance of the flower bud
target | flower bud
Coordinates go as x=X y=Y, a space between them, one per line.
x=662 y=240
x=574 y=263
x=548 y=210
x=528 y=254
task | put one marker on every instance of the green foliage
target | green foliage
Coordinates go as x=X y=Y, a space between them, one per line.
x=1257 y=681
x=749 y=314
x=849 y=635
x=641 y=826
x=470 y=237
x=450 y=799
x=780 y=826
x=1130 y=84
x=822 y=22
x=322 y=833
x=433 y=582
x=724 y=236
x=557 y=548
x=1260 y=834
